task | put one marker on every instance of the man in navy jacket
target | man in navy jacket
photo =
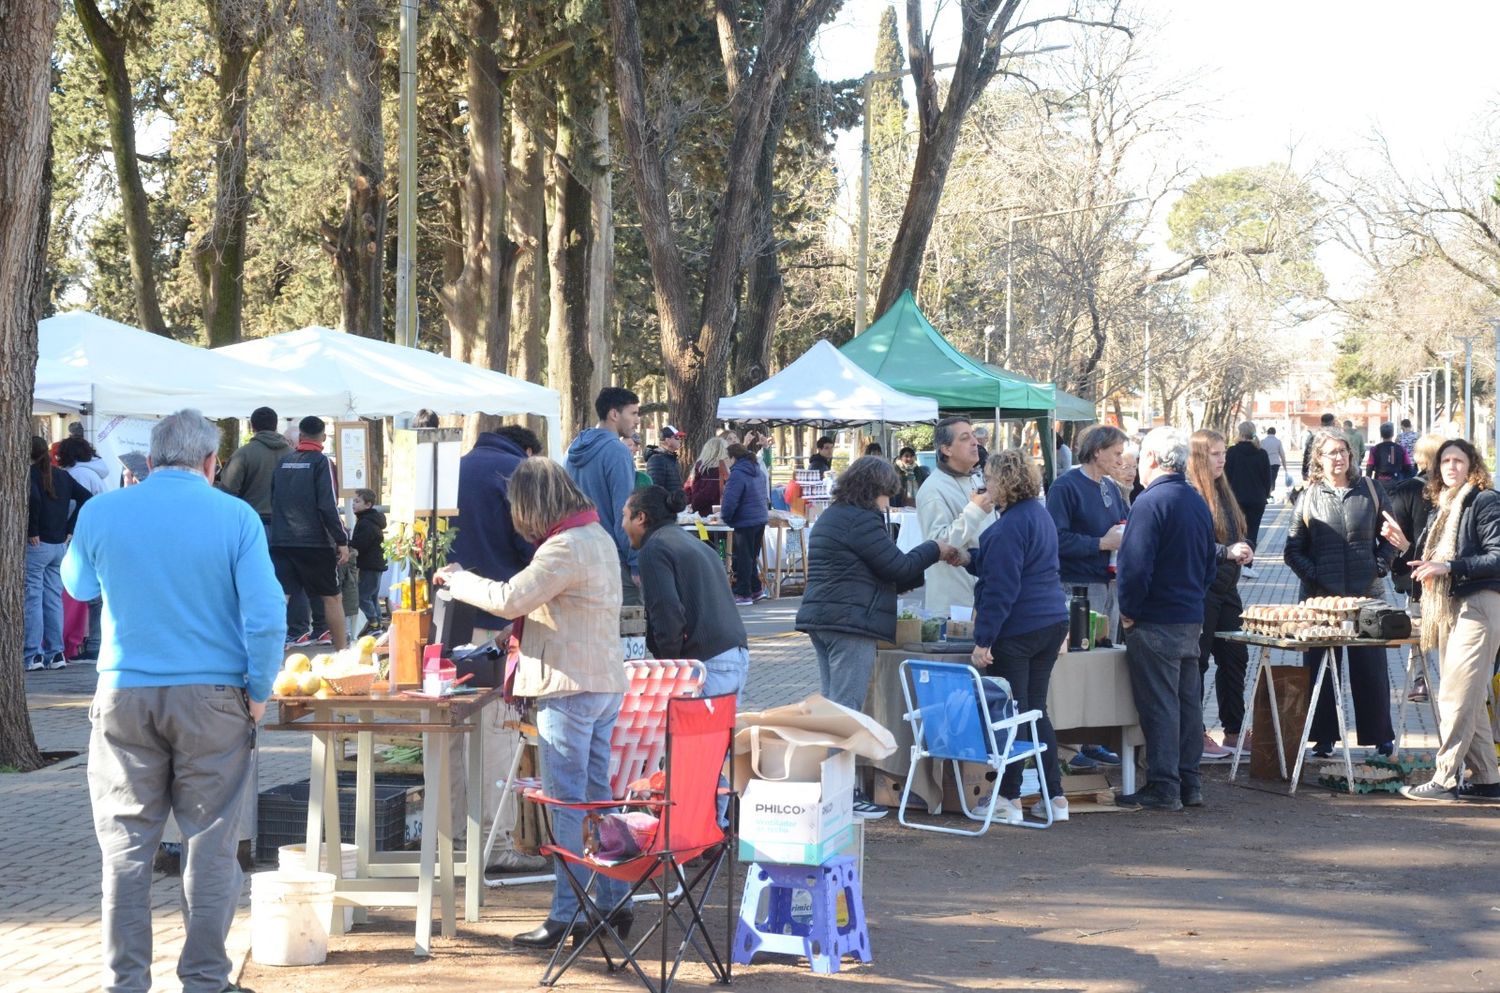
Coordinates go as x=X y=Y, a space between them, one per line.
x=487 y=544
x=1166 y=564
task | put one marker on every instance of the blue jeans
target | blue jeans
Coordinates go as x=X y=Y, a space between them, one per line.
x=369 y=594
x=575 y=731
x=44 y=606
x=726 y=672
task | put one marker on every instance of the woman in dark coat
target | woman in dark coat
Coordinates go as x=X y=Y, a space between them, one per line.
x=1458 y=565
x=1222 y=608
x=746 y=508
x=1341 y=543
x=854 y=573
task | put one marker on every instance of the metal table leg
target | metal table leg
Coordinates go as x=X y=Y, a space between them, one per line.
x=1312 y=709
x=364 y=805
x=1340 y=680
x=474 y=793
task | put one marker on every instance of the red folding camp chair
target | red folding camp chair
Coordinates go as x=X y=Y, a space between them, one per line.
x=699 y=731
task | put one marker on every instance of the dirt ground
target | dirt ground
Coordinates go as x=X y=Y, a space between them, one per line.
x=1255 y=891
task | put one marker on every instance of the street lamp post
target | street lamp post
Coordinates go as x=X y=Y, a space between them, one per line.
x=1447 y=358
x=1468 y=341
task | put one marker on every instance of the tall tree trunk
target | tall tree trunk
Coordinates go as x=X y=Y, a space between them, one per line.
x=764 y=287
x=219 y=254
x=570 y=367
x=601 y=257
x=26 y=31
x=358 y=245
x=526 y=212
x=929 y=173
x=696 y=347
x=477 y=304
x=119 y=107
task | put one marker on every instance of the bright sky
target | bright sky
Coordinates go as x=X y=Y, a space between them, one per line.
x=1319 y=74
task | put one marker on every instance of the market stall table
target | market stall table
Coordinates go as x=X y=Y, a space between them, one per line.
x=386 y=879
x=773 y=562
x=1339 y=678
x=1089 y=700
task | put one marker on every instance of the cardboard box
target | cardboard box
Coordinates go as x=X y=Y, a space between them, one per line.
x=634 y=646
x=800 y=821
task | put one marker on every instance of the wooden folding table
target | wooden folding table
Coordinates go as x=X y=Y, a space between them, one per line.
x=404 y=879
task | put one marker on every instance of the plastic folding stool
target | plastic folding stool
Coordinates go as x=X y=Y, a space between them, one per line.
x=822 y=941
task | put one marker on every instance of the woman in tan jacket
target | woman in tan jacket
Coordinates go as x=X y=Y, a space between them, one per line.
x=571 y=660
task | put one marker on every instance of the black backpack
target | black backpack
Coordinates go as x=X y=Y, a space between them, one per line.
x=1387 y=458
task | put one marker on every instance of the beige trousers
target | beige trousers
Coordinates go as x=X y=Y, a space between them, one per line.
x=1465 y=736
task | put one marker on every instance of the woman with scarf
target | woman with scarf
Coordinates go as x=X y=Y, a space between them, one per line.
x=570 y=660
x=1459 y=571
x=1341 y=543
x=1222 y=607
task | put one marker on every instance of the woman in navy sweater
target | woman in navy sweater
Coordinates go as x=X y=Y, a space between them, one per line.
x=746 y=509
x=1020 y=619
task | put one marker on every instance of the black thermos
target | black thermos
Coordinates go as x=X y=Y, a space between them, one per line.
x=1078 y=620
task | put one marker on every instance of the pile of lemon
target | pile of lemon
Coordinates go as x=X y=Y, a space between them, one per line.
x=304 y=676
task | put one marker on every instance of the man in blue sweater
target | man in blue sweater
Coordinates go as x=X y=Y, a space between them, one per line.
x=603 y=469
x=194 y=625
x=1166 y=564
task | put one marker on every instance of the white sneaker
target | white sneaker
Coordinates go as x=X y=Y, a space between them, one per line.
x=57 y=662
x=34 y=664
x=511 y=860
x=1059 y=810
x=1006 y=811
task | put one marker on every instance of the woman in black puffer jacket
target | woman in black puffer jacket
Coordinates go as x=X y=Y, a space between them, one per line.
x=854 y=572
x=1341 y=543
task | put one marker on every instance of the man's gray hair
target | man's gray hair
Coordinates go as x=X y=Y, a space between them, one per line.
x=1168 y=446
x=184 y=440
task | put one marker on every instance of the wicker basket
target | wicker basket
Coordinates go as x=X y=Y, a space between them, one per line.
x=352 y=684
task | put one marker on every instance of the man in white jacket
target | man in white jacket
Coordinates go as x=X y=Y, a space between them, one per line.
x=949 y=509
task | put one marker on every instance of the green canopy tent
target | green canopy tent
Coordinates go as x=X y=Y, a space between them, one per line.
x=903 y=350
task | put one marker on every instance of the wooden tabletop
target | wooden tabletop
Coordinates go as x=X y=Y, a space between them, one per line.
x=343 y=713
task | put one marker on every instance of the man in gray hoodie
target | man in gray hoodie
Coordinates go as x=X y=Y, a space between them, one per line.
x=248 y=474
x=601 y=466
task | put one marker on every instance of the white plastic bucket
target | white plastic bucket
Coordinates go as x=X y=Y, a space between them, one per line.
x=289 y=915
x=294 y=858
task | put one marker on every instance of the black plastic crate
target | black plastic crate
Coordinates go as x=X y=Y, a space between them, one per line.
x=282 y=816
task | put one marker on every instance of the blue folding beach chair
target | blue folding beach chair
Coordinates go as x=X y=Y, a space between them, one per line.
x=951 y=720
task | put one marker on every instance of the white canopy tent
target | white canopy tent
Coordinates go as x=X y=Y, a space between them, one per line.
x=822 y=388
x=348 y=375
x=125 y=370
x=59 y=389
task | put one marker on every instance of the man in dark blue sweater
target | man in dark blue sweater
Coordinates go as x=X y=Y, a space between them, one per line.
x=487 y=544
x=1166 y=564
